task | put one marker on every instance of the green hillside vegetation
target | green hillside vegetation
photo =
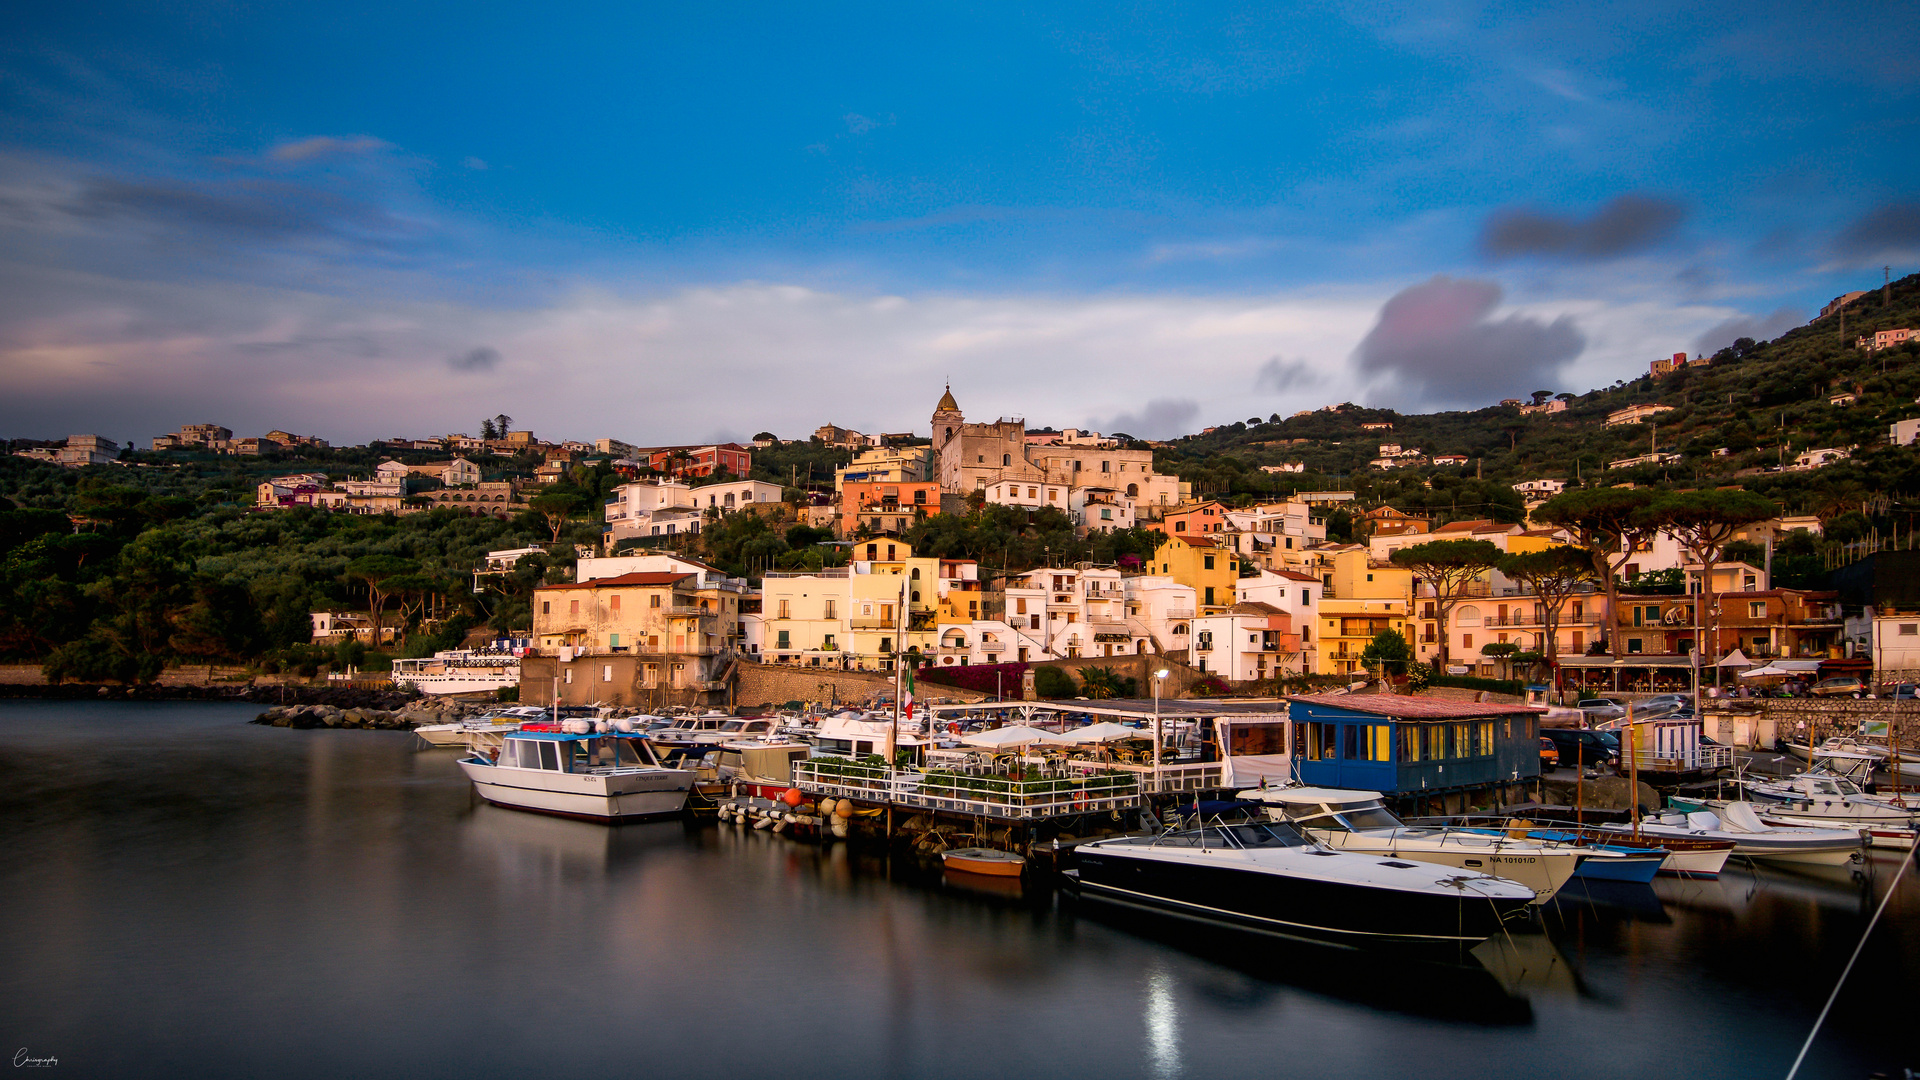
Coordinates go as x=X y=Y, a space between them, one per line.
x=1760 y=402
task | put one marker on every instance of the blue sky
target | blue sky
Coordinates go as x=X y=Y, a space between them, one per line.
x=673 y=223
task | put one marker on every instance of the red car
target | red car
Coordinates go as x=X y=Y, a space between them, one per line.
x=1549 y=754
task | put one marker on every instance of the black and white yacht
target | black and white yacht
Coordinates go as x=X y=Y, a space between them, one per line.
x=1266 y=876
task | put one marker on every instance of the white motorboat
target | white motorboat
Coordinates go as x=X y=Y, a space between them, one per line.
x=1357 y=821
x=591 y=772
x=462 y=733
x=1821 y=797
x=1840 y=744
x=1755 y=838
x=458 y=671
x=1266 y=876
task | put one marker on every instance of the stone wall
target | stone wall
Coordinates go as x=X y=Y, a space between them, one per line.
x=776 y=684
x=1758 y=722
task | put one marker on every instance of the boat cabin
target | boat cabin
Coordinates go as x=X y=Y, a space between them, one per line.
x=1402 y=745
x=560 y=751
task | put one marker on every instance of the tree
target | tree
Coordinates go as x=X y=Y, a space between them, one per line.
x=556 y=507
x=1102 y=682
x=1051 y=682
x=1449 y=566
x=378 y=572
x=1552 y=576
x=1502 y=651
x=502 y=423
x=1389 y=651
x=1704 y=522
x=765 y=436
x=488 y=431
x=1609 y=523
x=1540 y=396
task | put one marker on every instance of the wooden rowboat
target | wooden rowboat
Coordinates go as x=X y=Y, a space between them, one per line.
x=987 y=861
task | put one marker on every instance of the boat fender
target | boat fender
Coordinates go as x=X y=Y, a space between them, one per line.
x=840 y=827
x=843 y=810
x=781 y=827
x=793 y=796
x=826 y=807
x=763 y=823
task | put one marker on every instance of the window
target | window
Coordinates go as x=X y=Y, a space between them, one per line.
x=832 y=611
x=783 y=614
x=1756 y=609
x=1178 y=526
x=920 y=496
x=826 y=642
x=1908 y=629
x=613 y=641
x=1006 y=459
x=546 y=607
x=1104 y=466
x=1206 y=561
x=782 y=641
x=653 y=600
x=1633 y=644
x=1206 y=642
x=1209 y=596
x=1466 y=641
x=567 y=676
x=606 y=673
x=573 y=607
x=613 y=602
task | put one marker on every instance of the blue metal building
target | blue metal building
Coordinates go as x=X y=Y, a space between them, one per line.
x=1412 y=746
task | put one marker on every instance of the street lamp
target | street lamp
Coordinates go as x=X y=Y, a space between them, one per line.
x=1158 y=677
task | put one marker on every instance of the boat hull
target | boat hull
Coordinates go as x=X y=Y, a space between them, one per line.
x=1545 y=872
x=1637 y=866
x=622 y=796
x=1297 y=908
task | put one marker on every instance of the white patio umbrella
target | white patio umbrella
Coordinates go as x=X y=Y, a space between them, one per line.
x=1103 y=732
x=1012 y=737
x=1764 y=672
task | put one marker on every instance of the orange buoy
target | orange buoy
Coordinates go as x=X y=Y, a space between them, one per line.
x=844 y=810
x=792 y=796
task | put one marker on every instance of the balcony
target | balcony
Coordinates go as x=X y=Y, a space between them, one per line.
x=993 y=647
x=1180 y=613
x=869 y=622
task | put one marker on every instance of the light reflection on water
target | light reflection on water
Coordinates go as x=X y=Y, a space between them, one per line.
x=188 y=894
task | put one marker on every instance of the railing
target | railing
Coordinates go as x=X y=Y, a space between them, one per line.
x=965 y=793
x=1179 y=613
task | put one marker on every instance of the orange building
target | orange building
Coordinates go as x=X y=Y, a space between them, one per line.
x=1196 y=520
x=883 y=507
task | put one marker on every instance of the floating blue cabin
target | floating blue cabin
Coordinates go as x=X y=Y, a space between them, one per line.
x=1413 y=746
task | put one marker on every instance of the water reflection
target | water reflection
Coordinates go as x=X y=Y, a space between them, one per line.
x=185 y=893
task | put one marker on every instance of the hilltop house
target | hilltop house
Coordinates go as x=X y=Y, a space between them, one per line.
x=1634 y=414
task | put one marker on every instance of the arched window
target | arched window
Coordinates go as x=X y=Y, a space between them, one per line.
x=1179 y=629
x=949 y=433
x=1006 y=459
x=1133 y=491
x=1468 y=616
x=915 y=575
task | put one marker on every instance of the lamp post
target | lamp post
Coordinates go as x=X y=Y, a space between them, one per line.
x=1158 y=677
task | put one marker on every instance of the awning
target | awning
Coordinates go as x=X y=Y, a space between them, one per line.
x=1736 y=658
x=1012 y=737
x=1105 y=731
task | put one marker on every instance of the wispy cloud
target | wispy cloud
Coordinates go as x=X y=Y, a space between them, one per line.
x=326 y=146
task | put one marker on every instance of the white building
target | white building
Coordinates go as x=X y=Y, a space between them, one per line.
x=1904 y=432
x=1098 y=509
x=1540 y=489
x=1820 y=459
x=1251 y=641
x=732 y=495
x=1027 y=494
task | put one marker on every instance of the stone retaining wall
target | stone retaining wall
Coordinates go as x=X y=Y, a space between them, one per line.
x=776 y=684
x=1758 y=722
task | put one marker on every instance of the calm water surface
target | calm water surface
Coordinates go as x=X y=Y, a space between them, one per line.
x=185 y=894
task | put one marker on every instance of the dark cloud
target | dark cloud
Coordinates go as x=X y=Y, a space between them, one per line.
x=1162 y=418
x=1435 y=343
x=1757 y=327
x=1888 y=231
x=1277 y=376
x=1622 y=226
x=252 y=209
x=484 y=358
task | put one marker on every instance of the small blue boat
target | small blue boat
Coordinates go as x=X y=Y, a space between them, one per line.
x=1606 y=861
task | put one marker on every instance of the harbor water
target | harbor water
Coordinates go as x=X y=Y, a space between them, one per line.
x=186 y=894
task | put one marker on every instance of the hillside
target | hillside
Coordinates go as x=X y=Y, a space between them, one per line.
x=1758 y=404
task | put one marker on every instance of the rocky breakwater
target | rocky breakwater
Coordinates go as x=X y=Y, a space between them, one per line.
x=304 y=717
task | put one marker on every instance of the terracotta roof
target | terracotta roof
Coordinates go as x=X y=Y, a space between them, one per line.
x=1414 y=708
x=1254 y=607
x=623 y=581
x=1465 y=526
x=1296 y=575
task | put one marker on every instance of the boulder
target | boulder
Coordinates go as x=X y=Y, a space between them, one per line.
x=1605 y=793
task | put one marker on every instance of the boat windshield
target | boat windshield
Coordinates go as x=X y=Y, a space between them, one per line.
x=1250 y=834
x=733 y=725
x=1370 y=816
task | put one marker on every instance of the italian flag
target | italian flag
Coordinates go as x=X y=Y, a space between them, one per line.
x=906 y=693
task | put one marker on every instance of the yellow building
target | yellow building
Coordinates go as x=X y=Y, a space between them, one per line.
x=884 y=465
x=1347 y=627
x=852 y=616
x=1355 y=575
x=1212 y=572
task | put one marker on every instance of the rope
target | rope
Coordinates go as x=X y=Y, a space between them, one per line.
x=1871 y=923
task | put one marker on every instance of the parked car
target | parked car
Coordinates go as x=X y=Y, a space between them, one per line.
x=1839 y=686
x=1599 y=708
x=1587 y=748
x=1549 y=754
x=1905 y=691
x=1661 y=705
